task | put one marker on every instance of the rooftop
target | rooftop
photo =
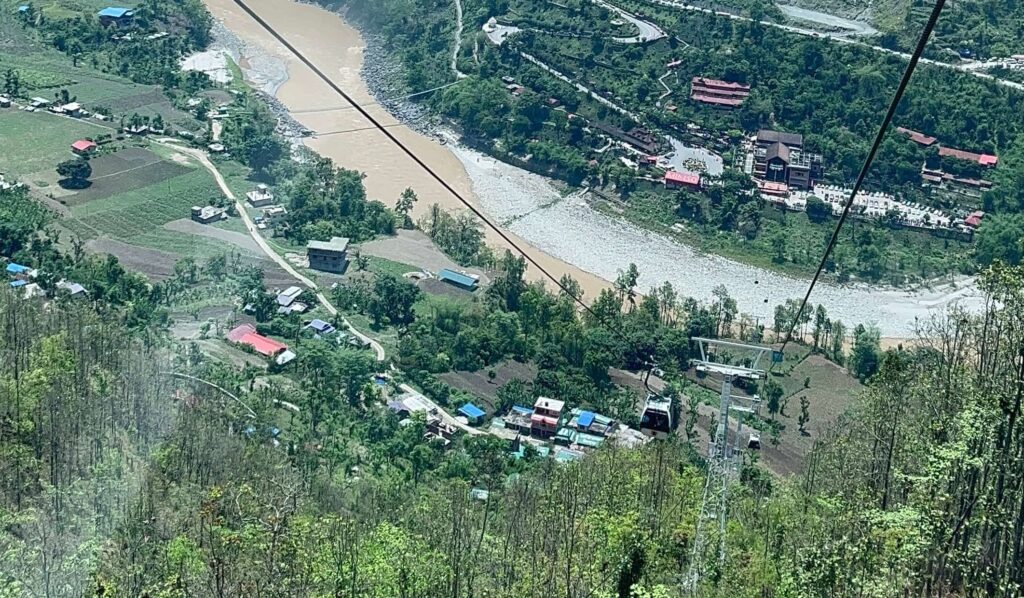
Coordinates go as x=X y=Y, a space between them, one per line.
x=116 y=12
x=335 y=244
x=471 y=410
x=246 y=335
x=767 y=136
x=682 y=178
x=458 y=278
x=549 y=404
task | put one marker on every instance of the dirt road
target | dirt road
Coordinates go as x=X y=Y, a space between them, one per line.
x=203 y=159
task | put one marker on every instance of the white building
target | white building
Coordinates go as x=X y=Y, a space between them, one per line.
x=260 y=196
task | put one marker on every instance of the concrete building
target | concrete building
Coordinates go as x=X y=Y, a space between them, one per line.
x=780 y=158
x=328 y=256
x=547 y=414
x=682 y=180
x=275 y=215
x=208 y=214
x=260 y=197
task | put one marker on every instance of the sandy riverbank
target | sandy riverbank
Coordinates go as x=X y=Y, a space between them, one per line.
x=337 y=49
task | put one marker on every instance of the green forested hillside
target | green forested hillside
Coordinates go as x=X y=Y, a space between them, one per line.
x=119 y=482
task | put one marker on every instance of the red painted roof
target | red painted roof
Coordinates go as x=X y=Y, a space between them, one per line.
x=544 y=420
x=716 y=83
x=83 y=145
x=246 y=335
x=983 y=159
x=682 y=178
x=918 y=138
x=713 y=100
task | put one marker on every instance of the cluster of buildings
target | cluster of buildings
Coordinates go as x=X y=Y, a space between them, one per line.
x=272 y=214
x=936 y=177
x=22 y=279
x=575 y=429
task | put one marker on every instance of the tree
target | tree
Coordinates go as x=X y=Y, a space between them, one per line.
x=625 y=284
x=772 y=392
x=804 y=416
x=75 y=173
x=393 y=299
x=404 y=206
x=12 y=83
x=513 y=392
x=867 y=351
x=817 y=210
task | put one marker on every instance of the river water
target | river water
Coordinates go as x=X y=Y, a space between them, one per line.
x=563 y=234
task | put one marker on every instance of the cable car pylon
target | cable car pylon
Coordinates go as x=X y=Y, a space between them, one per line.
x=722 y=464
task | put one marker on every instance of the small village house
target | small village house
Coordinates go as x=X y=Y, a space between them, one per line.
x=473 y=414
x=116 y=16
x=246 y=334
x=208 y=214
x=260 y=196
x=467 y=282
x=84 y=147
x=275 y=215
x=328 y=256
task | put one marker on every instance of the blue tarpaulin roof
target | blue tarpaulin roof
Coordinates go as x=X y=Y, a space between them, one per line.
x=585 y=419
x=115 y=12
x=457 y=278
x=471 y=410
x=13 y=268
x=18 y=283
x=522 y=410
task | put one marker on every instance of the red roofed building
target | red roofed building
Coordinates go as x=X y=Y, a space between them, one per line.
x=547 y=413
x=246 y=335
x=718 y=93
x=687 y=180
x=974 y=220
x=918 y=138
x=983 y=159
x=83 y=147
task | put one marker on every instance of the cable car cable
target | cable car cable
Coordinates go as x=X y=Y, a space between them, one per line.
x=893 y=105
x=419 y=161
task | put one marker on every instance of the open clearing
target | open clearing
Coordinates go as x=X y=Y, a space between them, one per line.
x=831 y=390
x=414 y=247
x=486 y=390
x=191 y=227
x=36 y=142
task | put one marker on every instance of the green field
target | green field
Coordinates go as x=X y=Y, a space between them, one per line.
x=132 y=213
x=36 y=142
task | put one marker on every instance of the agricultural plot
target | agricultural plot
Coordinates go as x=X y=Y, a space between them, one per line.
x=37 y=142
x=483 y=388
x=126 y=170
x=136 y=211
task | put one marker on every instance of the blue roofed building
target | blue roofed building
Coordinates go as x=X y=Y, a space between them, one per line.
x=116 y=15
x=474 y=414
x=320 y=328
x=18 y=283
x=13 y=268
x=466 y=282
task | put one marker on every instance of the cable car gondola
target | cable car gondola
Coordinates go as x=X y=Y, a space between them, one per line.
x=656 y=420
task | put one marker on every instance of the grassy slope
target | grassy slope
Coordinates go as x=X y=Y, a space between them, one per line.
x=36 y=142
